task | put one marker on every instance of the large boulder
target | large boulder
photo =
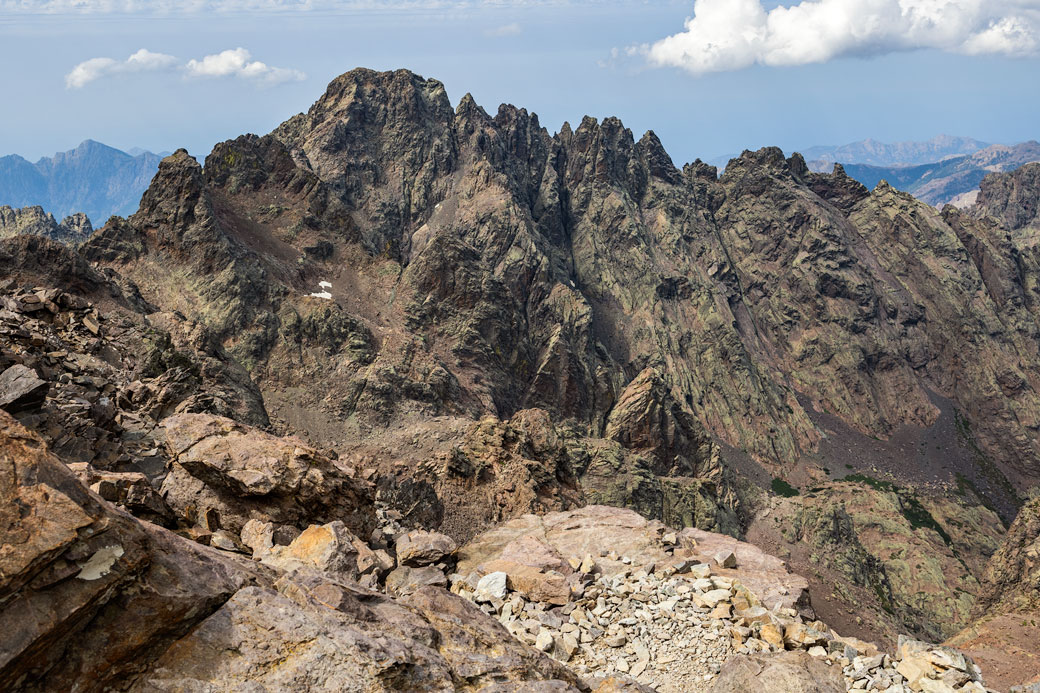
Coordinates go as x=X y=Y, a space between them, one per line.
x=86 y=591
x=311 y=634
x=21 y=389
x=418 y=548
x=225 y=474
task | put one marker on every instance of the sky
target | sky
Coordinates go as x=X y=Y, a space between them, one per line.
x=710 y=77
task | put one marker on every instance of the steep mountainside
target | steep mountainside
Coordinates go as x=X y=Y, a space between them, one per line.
x=1012 y=198
x=92 y=179
x=489 y=320
x=1003 y=636
x=955 y=180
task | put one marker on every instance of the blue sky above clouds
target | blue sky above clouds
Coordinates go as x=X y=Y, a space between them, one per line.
x=711 y=77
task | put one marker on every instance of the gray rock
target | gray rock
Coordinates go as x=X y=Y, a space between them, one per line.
x=407 y=579
x=492 y=586
x=780 y=672
x=725 y=559
x=21 y=389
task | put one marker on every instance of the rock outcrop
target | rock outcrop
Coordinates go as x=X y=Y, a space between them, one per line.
x=94 y=599
x=79 y=578
x=786 y=671
x=1012 y=197
x=224 y=474
x=1004 y=633
x=74 y=229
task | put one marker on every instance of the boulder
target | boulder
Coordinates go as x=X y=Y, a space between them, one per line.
x=419 y=548
x=130 y=490
x=87 y=592
x=531 y=551
x=725 y=559
x=21 y=389
x=492 y=586
x=326 y=549
x=226 y=473
x=548 y=587
x=779 y=672
x=406 y=579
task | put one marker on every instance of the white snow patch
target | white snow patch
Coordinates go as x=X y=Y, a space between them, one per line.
x=325 y=285
x=98 y=565
x=324 y=294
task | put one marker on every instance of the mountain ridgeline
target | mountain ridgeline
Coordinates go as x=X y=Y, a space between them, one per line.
x=551 y=272
x=954 y=180
x=92 y=179
x=874 y=153
x=492 y=320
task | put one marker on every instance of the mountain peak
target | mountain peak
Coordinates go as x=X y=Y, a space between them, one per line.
x=94 y=178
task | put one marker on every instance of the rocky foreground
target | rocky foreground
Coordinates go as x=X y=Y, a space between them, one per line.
x=595 y=599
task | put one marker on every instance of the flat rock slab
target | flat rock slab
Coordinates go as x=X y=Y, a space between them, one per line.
x=780 y=672
x=595 y=529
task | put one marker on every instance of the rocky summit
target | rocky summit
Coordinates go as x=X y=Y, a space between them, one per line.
x=402 y=396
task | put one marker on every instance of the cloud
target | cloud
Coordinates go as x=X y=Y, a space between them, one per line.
x=505 y=30
x=95 y=68
x=237 y=63
x=230 y=63
x=734 y=34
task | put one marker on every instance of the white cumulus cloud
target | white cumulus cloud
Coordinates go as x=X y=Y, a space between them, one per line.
x=734 y=34
x=95 y=68
x=238 y=62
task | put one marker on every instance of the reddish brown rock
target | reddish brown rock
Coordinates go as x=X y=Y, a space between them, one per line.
x=225 y=473
x=89 y=593
x=600 y=530
x=548 y=587
x=21 y=389
x=419 y=548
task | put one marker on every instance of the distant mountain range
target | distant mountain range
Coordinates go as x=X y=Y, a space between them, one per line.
x=93 y=178
x=954 y=180
x=876 y=153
